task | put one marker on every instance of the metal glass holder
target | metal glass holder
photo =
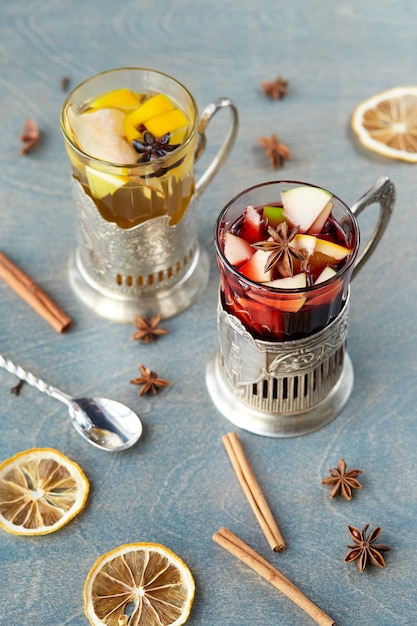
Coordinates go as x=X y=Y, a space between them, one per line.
x=280 y=389
x=153 y=268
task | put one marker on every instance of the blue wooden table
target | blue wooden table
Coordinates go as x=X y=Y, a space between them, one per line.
x=176 y=486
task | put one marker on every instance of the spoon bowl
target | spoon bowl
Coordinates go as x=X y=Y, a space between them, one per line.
x=104 y=423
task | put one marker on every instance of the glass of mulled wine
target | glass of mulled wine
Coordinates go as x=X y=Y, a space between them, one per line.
x=287 y=252
x=133 y=136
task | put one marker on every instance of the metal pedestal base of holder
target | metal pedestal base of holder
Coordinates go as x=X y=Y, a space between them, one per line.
x=122 y=308
x=280 y=389
x=152 y=268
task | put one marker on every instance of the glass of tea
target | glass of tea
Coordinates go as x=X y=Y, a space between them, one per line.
x=133 y=136
x=287 y=252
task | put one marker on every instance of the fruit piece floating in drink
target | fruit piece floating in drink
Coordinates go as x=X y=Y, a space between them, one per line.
x=128 y=155
x=283 y=265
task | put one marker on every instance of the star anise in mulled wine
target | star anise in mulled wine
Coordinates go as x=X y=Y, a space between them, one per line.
x=282 y=253
x=365 y=549
x=152 y=148
x=342 y=481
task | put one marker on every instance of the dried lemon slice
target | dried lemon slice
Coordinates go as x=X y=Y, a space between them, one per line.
x=386 y=123
x=144 y=584
x=41 y=490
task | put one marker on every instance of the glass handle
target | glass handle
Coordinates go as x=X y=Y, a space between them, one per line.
x=384 y=193
x=226 y=146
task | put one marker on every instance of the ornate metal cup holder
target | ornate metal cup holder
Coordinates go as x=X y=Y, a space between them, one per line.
x=280 y=389
x=150 y=269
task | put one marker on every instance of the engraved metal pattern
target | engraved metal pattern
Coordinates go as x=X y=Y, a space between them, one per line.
x=281 y=377
x=140 y=261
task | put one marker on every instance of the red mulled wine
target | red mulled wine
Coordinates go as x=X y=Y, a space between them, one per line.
x=285 y=264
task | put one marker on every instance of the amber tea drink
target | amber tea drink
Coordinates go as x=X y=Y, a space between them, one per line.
x=123 y=126
x=287 y=252
x=132 y=137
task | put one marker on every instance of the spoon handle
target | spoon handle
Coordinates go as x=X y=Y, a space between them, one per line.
x=32 y=380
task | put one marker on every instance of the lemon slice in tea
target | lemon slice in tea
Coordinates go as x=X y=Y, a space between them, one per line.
x=102 y=184
x=386 y=123
x=41 y=490
x=144 y=584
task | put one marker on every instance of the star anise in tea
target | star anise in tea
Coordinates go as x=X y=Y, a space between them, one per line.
x=147 y=329
x=365 y=549
x=342 y=481
x=152 y=148
x=276 y=151
x=275 y=89
x=150 y=381
x=282 y=254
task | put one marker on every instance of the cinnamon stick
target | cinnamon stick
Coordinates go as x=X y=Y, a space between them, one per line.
x=230 y=542
x=33 y=295
x=253 y=492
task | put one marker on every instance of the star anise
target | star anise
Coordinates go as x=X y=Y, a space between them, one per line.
x=365 y=548
x=282 y=254
x=64 y=83
x=16 y=389
x=147 y=329
x=342 y=481
x=149 y=380
x=276 y=152
x=30 y=135
x=152 y=148
x=275 y=89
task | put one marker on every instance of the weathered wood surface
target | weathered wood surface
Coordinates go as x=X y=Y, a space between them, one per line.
x=176 y=486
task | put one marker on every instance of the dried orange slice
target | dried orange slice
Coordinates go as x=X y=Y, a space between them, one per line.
x=41 y=490
x=386 y=123
x=144 y=584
